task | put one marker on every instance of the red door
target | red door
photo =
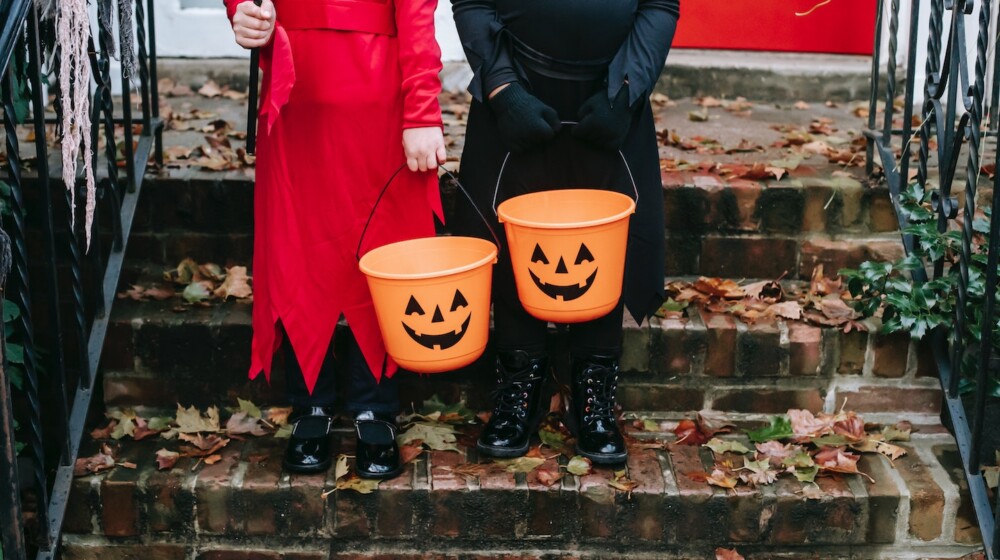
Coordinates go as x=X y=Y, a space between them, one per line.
x=824 y=26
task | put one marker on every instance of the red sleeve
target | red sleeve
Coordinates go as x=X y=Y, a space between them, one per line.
x=231 y=7
x=420 y=61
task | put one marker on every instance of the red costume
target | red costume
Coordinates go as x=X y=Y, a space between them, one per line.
x=342 y=79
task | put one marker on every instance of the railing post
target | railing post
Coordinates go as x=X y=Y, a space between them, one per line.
x=11 y=536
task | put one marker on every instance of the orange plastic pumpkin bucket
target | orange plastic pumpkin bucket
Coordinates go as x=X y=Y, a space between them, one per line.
x=432 y=300
x=567 y=249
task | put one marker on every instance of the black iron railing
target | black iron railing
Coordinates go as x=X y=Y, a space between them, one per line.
x=957 y=114
x=56 y=281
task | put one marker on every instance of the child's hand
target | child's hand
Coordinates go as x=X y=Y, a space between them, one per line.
x=253 y=25
x=424 y=148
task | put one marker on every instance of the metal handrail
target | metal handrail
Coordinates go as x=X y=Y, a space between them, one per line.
x=61 y=260
x=952 y=114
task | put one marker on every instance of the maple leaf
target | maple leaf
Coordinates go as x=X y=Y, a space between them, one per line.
x=549 y=476
x=249 y=408
x=183 y=274
x=727 y=554
x=758 y=473
x=213 y=459
x=206 y=445
x=434 y=435
x=166 y=459
x=143 y=430
x=242 y=423
x=805 y=425
x=719 y=446
x=105 y=432
x=236 y=284
x=190 y=420
x=776 y=452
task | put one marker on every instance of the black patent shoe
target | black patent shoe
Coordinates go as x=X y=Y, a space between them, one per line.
x=376 y=454
x=308 y=448
x=517 y=411
x=595 y=383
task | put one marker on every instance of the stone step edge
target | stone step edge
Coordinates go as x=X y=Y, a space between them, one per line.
x=918 y=501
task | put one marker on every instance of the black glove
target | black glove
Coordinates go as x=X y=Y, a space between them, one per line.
x=604 y=124
x=524 y=121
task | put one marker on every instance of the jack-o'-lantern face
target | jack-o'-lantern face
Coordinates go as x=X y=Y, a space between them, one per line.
x=437 y=330
x=564 y=283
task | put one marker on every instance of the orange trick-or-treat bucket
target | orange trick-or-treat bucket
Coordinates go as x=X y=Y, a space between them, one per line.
x=567 y=248
x=432 y=300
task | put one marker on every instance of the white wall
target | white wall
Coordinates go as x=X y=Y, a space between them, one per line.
x=199 y=28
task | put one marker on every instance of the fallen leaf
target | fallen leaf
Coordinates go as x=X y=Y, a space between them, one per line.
x=166 y=459
x=579 y=466
x=520 y=464
x=899 y=432
x=720 y=287
x=712 y=422
x=780 y=428
x=850 y=426
x=206 y=445
x=101 y=461
x=358 y=484
x=210 y=89
x=549 y=476
x=719 y=446
x=687 y=433
x=278 y=415
x=812 y=492
x=190 y=420
x=776 y=452
x=805 y=425
x=105 y=432
x=765 y=290
x=727 y=554
x=196 y=292
x=241 y=423
x=834 y=459
x=623 y=483
x=801 y=106
x=213 y=459
x=722 y=479
x=434 y=435
x=236 y=284
x=408 y=453
x=786 y=309
x=698 y=116
x=758 y=473
x=341 y=468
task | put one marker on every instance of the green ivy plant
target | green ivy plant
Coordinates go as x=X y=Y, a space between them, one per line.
x=886 y=290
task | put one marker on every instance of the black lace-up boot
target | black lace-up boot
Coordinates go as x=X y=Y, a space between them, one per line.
x=517 y=411
x=595 y=382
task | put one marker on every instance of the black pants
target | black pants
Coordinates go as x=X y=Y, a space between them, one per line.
x=362 y=391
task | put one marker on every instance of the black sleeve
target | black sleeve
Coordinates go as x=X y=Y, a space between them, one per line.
x=640 y=60
x=479 y=27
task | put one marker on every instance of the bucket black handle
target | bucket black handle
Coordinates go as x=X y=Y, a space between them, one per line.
x=450 y=175
x=251 y=142
x=506 y=158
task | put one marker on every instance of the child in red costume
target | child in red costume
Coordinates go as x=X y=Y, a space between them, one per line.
x=349 y=95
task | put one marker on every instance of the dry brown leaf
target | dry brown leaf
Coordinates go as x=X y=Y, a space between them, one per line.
x=236 y=284
x=213 y=459
x=786 y=309
x=727 y=554
x=210 y=89
x=801 y=106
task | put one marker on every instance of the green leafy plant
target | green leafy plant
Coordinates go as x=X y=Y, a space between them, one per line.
x=886 y=290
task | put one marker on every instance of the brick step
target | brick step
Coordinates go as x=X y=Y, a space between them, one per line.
x=156 y=356
x=208 y=216
x=244 y=506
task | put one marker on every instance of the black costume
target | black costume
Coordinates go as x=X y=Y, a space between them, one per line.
x=576 y=59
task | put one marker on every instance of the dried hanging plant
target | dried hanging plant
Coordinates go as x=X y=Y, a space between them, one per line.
x=72 y=38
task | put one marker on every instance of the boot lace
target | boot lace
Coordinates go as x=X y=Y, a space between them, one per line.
x=601 y=387
x=513 y=390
